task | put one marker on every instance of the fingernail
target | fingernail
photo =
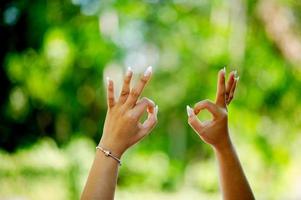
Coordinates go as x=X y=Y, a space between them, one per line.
x=108 y=80
x=189 y=111
x=129 y=71
x=237 y=78
x=148 y=71
x=235 y=73
x=224 y=69
x=157 y=109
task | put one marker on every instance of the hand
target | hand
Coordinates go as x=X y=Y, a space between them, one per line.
x=215 y=132
x=122 y=128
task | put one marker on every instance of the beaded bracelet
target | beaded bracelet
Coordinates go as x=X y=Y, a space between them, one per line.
x=109 y=154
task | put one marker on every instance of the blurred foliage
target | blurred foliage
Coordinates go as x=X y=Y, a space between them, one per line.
x=54 y=55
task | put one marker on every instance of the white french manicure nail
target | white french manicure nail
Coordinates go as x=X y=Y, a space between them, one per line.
x=237 y=78
x=108 y=80
x=148 y=71
x=129 y=71
x=235 y=73
x=157 y=109
x=224 y=69
x=189 y=111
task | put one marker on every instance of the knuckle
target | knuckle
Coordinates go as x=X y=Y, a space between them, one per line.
x=223 y=113
x=124 y=92
x=131 y=117
x=110 y=88
x=144 y=79
x=127 y=80
x=134 y=93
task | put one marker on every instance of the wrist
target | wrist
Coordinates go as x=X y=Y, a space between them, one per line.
x=224 y=146
x=115 y=149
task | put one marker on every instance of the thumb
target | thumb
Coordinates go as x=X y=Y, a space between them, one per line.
x=148 y=124
x=193 y=121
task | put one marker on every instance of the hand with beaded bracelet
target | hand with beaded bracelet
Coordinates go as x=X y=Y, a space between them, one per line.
x=122 y=129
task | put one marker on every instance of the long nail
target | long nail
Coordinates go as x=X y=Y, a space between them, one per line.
x=157 y=109
x=148 y=71
x=235 y=73
x=237 y=78
x=224 y=69
x=129 y=71
x=108 y=80
x=189 y=111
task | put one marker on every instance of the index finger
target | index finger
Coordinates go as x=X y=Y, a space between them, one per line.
x=143 y=105
x=136 y=92
x=206 y=104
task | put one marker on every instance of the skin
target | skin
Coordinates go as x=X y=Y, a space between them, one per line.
x=122 y=129
x=234 y=184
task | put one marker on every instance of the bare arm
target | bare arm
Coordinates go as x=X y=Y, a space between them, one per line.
x=102 y=178
x=122 y=130
x=234 y=184
x=232 y=179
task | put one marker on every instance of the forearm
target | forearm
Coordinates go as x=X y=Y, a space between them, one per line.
x=122 y=129
x=233 y=182
x=102 y=179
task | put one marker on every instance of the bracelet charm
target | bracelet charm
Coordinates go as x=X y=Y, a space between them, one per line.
x=108 y=154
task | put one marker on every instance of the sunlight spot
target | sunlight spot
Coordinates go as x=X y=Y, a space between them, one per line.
x=108 y=23
x=18 y=99
x=10 y=15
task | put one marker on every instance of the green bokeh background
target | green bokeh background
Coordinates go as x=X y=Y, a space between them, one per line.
x=56 y=54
